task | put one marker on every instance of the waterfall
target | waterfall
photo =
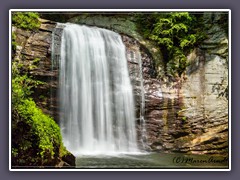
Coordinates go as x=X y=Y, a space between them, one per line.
x=142 y=105
x=96 y=98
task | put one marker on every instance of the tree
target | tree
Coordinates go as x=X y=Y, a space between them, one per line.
x=176 y=33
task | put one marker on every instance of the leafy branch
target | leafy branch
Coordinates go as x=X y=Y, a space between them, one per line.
x=176 y=33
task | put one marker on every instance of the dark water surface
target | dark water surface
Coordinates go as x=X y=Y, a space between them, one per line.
x=152 y=161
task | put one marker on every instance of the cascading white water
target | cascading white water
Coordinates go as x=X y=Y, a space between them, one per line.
x=96 y=98
x=142 y=105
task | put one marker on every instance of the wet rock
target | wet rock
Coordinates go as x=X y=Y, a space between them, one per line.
x=70 y=159
x=182 y=115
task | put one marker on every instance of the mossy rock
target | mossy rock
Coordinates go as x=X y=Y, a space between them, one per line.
x=36 y=138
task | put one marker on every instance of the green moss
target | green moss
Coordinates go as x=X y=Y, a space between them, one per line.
x=39 y=138
x=42 y=126
x=26 y=20
x=36 y=138
x=184 y=118
x=14 y=44
x=36 y=61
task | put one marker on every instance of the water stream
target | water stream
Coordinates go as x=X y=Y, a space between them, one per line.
x=96 y=98
x=97 y=117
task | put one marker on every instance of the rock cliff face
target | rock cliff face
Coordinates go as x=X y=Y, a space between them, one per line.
x=189 y=115
x=33 y=51
x=205 y=92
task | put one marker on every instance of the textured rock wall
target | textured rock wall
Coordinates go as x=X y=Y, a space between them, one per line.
x=189 y=115
x=192 y=115
x=33 y=50
x=205 y=92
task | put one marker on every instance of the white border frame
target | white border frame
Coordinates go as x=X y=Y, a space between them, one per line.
x=118 y=11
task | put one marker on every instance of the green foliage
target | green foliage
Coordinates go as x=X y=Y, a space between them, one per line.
x=176 y=33
x=36 y=138
x=223 y=22
x=42 y=126
x=14 y=44
x=184 y=118
x=34 y=64
x=26 y=20
x=221 y=89
x=21 y=84
x=36 y=60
